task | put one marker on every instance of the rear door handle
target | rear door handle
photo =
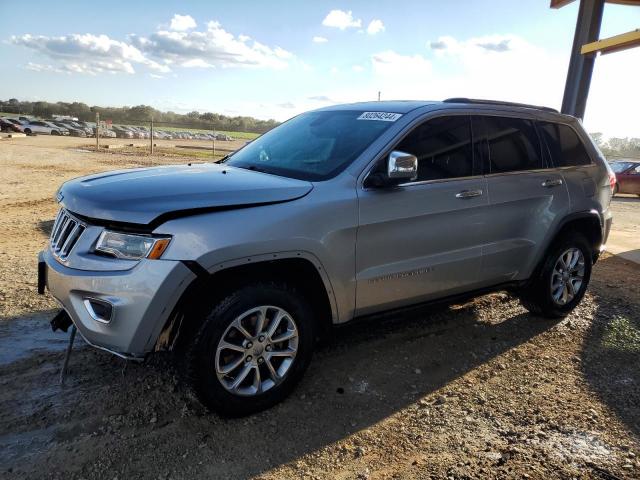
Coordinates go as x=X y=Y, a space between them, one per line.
x=469 y=193
x=552 y=183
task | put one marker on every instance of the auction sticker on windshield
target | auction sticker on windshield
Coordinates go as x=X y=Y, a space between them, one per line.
x=382 y=116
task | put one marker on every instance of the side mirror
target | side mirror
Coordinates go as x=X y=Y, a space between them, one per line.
x=401 y=166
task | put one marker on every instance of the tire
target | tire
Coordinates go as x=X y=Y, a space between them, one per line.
x=538 y=298
x=55 y=132
x=27 y=131
x=204 y=359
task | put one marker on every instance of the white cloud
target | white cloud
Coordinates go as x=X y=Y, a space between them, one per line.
x=214 y=47
x=393 y=64
x=320 y=40
x=375 y=26
x=357 y=68
x=196 y=63
x=38 y=67
x=180 y=23
x=477 y=46
x=182 y=46
x=88 y=53
x=341 y=19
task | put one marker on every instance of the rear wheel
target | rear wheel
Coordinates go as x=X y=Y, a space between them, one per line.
x=27 y=131
x=251 y=349
x=55 y=132
x=563 y=279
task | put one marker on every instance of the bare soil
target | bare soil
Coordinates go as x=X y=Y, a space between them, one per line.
x=477 y=390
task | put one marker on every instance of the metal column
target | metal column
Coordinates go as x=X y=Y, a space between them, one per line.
x=576 y=89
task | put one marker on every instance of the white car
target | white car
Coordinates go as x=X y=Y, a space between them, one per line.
x=47 y=128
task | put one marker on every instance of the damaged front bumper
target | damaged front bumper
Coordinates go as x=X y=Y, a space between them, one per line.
x=122 y=312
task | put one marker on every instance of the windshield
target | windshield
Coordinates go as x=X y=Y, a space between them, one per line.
x=311 y=146
x=618 y=167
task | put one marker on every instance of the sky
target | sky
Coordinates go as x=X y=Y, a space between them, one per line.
x=279 y=58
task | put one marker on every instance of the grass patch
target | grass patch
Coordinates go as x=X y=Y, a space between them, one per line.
x=622 y=335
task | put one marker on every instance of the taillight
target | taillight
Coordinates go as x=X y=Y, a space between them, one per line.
x=612 y=181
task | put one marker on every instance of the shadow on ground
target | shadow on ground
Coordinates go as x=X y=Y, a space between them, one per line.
x=611 y=351
x=111 y=413
x=45 y=226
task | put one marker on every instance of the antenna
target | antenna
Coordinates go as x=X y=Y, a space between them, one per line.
x=379 y=92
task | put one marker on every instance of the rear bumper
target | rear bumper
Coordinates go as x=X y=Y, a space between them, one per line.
x=142 y=299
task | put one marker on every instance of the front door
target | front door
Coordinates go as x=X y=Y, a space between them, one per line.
x=423 y=239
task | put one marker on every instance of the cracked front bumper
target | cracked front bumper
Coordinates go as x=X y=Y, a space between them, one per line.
x=142 y=299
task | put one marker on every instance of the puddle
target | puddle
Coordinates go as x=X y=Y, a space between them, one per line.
x=23 y=337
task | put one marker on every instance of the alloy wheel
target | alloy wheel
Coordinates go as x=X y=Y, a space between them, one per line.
x=567 y=276
x=257 y=350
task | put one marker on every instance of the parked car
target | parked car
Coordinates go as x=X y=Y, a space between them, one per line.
x=627 y=176
x=87 y=130
x=337 y=214
x=8 y=126
x=122 y=132
x=47 y=128
x=73 y=131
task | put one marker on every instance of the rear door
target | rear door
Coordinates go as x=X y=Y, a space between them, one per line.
x=423 y=239
x=527 y=196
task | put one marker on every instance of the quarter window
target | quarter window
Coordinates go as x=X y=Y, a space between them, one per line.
x=565 y=146
x=443 y=148
x=512 y=144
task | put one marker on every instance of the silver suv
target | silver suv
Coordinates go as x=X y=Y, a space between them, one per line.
x=336 y=214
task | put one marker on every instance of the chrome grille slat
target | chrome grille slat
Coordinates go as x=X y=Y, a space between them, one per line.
x=65 y=234
x=56 y=236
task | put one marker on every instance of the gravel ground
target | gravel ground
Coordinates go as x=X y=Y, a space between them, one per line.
x=478 y=390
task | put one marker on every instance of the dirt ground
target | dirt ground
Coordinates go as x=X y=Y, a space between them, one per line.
x=478 y=390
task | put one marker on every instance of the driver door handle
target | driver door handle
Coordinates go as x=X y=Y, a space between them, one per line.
x=552 y=183
x=469 y=193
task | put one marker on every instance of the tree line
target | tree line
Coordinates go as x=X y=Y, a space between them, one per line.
x=617 y=147
x=137 y=114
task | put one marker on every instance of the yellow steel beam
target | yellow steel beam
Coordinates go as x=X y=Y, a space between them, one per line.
x=562 y=3
x=613 y=44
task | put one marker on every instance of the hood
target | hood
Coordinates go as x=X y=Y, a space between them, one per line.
x=145 y=195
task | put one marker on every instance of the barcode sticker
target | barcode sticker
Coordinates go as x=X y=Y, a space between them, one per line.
x=380 y=116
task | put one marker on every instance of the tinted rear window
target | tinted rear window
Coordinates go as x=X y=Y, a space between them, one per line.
x=565 y=146
x=513 y=144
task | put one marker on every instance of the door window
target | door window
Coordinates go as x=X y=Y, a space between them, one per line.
x=443 y=148
x=564 y=145
x=512 y=144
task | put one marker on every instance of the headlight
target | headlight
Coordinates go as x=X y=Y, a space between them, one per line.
x=131 y=247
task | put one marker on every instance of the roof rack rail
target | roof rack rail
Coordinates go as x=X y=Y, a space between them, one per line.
x=497 y=102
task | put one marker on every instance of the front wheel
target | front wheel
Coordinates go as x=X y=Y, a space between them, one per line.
x=563 y=279
x=251 y=349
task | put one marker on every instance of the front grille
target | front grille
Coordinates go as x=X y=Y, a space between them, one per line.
x=65 y=234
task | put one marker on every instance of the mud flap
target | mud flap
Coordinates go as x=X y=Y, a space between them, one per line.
x=62 y=321
x=42 y=277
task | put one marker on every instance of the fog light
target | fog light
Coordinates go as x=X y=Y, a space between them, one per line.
x=99 y=310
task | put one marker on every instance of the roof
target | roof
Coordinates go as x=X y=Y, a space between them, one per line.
x=393 y=106
x=406 y=106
